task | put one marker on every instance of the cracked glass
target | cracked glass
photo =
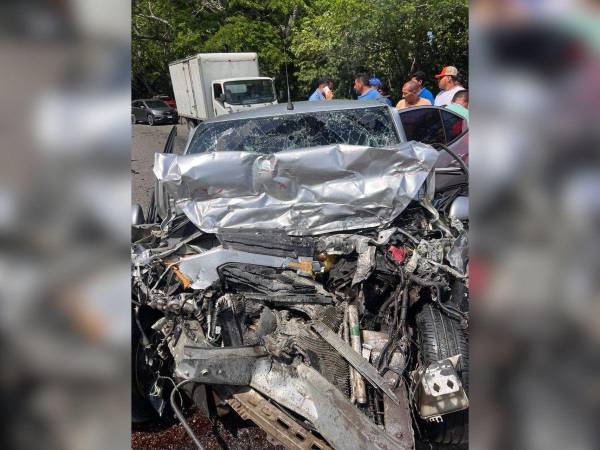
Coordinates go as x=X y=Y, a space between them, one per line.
x=373 y=127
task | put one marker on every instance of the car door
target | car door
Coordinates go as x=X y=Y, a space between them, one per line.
x=139 y=111
x=134 y=106
x=217 y=101
x=456 y=130
x=423 y=124
x=144 y=110
x=432 y=125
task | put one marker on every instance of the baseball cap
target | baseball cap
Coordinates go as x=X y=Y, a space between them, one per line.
x=448 y=70
x=375 y=82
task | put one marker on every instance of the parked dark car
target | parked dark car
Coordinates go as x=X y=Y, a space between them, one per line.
x=153 y=112
x=168 y=100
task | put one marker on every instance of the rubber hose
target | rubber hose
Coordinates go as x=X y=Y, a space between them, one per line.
x=179 y=415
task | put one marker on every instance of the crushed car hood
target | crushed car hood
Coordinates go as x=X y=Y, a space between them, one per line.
x=303 y=192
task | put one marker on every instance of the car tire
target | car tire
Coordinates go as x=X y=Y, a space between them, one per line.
x=133 y=121
x=440 y=337
x=141 y=409
x=150 y=118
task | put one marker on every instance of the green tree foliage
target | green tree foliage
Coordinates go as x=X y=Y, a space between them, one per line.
x=162 y=31
x=242 y=34
x=339 y=38
x=386 y=38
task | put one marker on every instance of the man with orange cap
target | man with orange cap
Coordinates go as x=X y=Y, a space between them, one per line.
x=448 y=83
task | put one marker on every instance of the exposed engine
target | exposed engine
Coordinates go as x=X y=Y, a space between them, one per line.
x=349 y=339
x=366 y=289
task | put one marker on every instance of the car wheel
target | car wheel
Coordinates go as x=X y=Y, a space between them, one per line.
x=440 y=337
x=133 y=119
x=150 y=118
x=141 y=409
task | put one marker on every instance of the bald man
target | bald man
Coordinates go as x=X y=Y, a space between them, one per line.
x=410 y=96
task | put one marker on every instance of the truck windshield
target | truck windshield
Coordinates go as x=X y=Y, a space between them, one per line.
x=373 y=127
x=247 y=92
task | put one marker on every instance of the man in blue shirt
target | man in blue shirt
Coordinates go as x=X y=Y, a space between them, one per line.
x=376 y=83
x=419 y=78
x=324 y=90
x=364 y=89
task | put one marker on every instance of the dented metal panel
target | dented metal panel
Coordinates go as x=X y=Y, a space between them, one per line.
x=278 y=424
x=306 y=392
x=441 y=391
x=232 y=365
x=202 y=268
x=304 y=192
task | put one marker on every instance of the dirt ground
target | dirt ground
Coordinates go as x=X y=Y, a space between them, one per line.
x=227 y=433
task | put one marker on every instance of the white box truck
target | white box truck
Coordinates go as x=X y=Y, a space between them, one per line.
x=211 y=84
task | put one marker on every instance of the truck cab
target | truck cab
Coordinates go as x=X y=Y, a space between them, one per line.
x=233 y=95
x=207 y=85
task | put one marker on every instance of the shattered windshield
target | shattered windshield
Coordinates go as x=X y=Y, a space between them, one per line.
x=373 y=127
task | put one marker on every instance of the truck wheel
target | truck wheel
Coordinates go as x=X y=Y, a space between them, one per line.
x=440 y=337
x=150 y=118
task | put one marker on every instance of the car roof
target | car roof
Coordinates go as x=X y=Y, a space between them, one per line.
x=299 y=108
x=147 y=100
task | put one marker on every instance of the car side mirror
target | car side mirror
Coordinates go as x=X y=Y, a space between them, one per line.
x=137 y=215
x=221 y=98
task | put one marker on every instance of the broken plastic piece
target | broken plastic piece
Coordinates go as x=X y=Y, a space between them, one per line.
x=185 y=281
x=398 y=254
x=304 y=266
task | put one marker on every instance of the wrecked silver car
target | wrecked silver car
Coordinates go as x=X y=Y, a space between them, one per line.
x=320 y=291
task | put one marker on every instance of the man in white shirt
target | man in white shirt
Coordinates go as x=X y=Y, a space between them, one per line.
x=449 y=85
